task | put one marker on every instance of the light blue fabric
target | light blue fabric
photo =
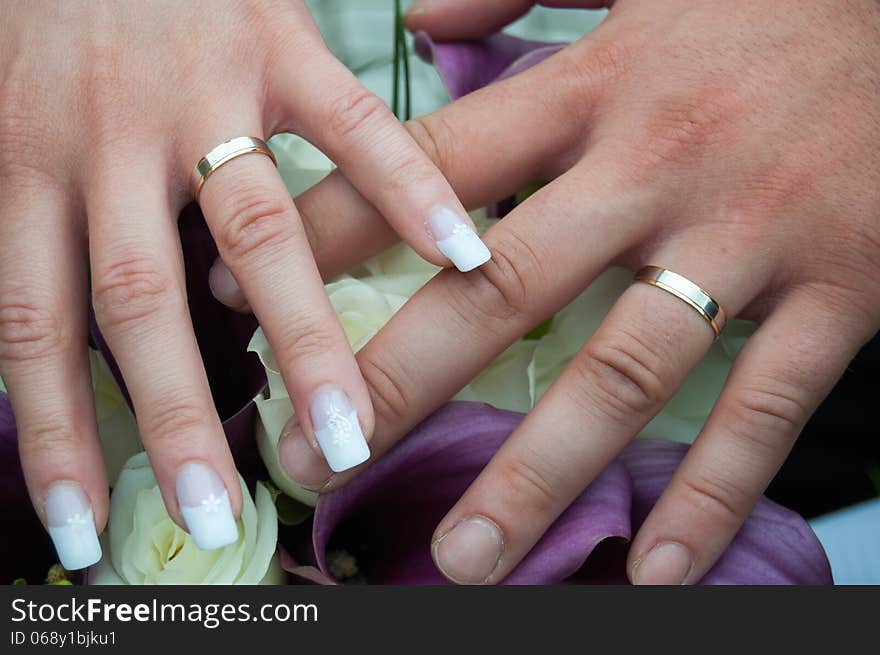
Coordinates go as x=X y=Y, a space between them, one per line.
x=851 y=538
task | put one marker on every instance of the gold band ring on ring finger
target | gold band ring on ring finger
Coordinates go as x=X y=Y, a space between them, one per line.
x=225 y=153
x=683 y=289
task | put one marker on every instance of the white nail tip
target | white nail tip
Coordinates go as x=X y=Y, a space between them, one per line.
x=205 y=507
x=338 y=430
x=212 y=523
x=457 y=240
x=71 y=525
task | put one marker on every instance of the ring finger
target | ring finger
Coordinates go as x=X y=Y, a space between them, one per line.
x=262 y=241
x=621 y=378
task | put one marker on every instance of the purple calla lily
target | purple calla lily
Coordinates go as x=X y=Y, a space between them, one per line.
x=467 y=66
x=384 y=519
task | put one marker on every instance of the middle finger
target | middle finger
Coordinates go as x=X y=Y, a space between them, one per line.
x=262 y=241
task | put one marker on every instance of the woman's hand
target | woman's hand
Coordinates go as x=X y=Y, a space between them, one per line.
x=733 y=143
x=105 y=109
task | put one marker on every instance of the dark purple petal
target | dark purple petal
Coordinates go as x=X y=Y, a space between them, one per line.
x=303 y=573
x=386 y=516
x=235 y=375
x=25 y=548
x=468 y=66
x=775 y=546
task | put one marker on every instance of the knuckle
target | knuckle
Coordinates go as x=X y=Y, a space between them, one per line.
x=681 y=129
x=505 y=288
x=409 y=172
x=256 y=221
x=722 y=500
x=600 y=63
x=129 y=289
x=174 y=419
x=307 y=338
x=527 y=487
x=387 y=387
x=621 y=375
x=28 y=331
x=354 y=110
x=761 y=414
x=49 y=436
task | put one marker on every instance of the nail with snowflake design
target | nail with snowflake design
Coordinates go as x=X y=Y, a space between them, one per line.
x=71 y=525
x=457 y=239
x=204 y=504
x=338 y=430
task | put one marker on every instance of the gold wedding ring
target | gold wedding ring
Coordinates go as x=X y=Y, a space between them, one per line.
x=683 y=289
x=226 y=152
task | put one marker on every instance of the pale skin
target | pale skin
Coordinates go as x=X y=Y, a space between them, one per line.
x=105 y=109
x=733 y=143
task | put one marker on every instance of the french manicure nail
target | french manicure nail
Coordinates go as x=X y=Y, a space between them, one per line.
x=338 y=430
x=470 y=552
x=667 y=563
x=71 y=525
x=204 y=504
x=457 y=240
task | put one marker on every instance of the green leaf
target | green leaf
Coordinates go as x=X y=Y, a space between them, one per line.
x=527 y=191
x=19 y=581
x=395 y=81
x=290 y=511
x=540 y=331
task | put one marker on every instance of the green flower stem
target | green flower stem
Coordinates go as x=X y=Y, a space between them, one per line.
x=395 y=83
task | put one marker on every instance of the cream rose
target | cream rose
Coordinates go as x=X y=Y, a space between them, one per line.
x=142 y=545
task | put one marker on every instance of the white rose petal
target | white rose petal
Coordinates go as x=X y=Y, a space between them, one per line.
x=142 y=545
x=300 y=164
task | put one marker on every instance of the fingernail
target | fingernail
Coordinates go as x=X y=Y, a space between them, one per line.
x=667 y=563
x=338 y=430
x=300 y=461
x=204 y=504
x=457 y=240
x=224 y=287
x=71 y=525
x=470 y=552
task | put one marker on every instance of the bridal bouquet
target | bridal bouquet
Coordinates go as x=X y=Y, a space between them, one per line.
x=377 y=530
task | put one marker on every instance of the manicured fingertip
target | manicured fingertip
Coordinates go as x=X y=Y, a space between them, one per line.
x=205 y=507
x=457 y=239
x=338 y=429
x=71 y=525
